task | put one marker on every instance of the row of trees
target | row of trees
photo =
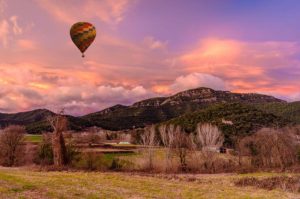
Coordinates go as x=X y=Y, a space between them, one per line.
x=267 y=148
x=176 y=141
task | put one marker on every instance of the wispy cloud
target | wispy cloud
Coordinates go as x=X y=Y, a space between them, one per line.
x=17 y=30
x=107 y=11
x=4 y=32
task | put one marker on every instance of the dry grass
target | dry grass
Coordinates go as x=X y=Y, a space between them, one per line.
x=21 y=183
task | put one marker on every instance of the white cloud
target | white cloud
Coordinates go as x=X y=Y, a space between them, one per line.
x=85 y=99
x=195 y=80
x=153 y=43
x=293 y=97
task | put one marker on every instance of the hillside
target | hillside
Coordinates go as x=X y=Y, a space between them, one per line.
x=161 y=109
x=36 y=121
x=234 y=119
x=74 y=123
x=24 y=118
x=290 y=111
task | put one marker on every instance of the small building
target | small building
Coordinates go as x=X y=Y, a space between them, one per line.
x=223 y=150
x=124 y=143
x=211 y=149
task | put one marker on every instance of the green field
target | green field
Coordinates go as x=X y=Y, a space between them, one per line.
x=21 y=183
x=33 y=138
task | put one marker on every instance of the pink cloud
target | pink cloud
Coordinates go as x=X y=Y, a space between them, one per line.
x=27 y=86
x=247 y=66
x=27 y=44
x=110 y=12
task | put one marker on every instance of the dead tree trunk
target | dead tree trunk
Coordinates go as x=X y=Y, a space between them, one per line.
x=59 y=124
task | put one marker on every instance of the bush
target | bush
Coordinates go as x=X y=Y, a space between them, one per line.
x=119 y=164
x=269 y=148
x=211 y=162
x=72 y=153
x=45 y=152
x=91 y=161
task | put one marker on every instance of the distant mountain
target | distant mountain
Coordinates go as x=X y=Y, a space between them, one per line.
x=161 y=109
x=206 y=96
x=234 y=119
x=145 y=112
x=24 y=118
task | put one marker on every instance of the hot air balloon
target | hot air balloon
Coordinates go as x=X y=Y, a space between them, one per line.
x=83 y=35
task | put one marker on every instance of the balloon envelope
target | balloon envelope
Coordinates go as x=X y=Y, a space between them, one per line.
x=83 y=35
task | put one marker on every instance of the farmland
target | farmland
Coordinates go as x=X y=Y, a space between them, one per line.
x=27 y=183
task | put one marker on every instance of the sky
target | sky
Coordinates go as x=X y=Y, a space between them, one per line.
x=143 y=49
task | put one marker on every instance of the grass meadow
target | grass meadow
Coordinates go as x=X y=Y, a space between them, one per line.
x=24 y=183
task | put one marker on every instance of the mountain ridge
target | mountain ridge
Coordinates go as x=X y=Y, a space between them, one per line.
x=141 y=113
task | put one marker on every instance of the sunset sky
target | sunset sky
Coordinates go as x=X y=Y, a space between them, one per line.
x=145 y=48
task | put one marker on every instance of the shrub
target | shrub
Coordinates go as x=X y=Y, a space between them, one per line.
x=269 y=148
x=119 y=165
x=211 y=162
x=91 y=161
x=45 y=152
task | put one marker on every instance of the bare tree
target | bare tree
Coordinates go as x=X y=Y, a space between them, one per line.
x=182 y=145
x=208 y=138
x=11 y=140
x=148 y=139
x=167 y=133
x=208 y=135
x=59 y=124
x=92 y=137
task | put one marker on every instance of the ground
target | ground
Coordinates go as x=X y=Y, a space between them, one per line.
x=25 y=183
